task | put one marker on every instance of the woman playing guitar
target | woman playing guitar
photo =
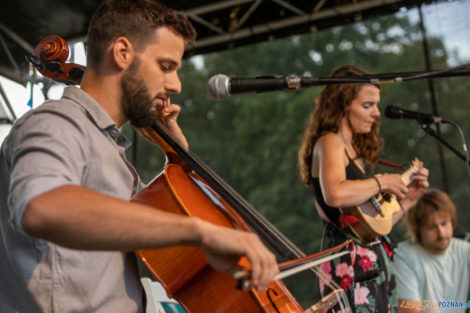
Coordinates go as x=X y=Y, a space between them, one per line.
x=342 y=137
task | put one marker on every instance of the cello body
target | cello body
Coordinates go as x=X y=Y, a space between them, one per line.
x=186 y=186
x=183 y=270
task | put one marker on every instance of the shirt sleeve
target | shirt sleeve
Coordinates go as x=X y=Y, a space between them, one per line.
x=406 y=276
x=46 y=152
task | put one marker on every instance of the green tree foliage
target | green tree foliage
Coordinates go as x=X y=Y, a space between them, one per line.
x=252 y=140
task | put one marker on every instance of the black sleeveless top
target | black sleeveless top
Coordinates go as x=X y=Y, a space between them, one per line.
x=383 y=288
x=353 y=172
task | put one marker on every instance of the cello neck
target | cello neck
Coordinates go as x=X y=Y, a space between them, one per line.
x=268 y=232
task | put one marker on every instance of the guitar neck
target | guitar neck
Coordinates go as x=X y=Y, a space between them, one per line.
x=407 y=176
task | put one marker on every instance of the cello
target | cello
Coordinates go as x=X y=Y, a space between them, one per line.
x=187 y=186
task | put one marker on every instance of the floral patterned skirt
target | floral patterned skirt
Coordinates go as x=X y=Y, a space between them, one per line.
x=369 y=296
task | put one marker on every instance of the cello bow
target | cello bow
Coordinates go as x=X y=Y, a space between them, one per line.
x=49 y=59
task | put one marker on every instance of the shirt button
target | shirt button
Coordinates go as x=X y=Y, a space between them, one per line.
x=114 y=133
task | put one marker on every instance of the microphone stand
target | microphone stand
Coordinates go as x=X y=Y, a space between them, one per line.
x=464 y=157
x=432 y=132
x=461 y=70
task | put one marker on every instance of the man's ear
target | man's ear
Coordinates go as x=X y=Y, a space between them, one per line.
x=123 y=52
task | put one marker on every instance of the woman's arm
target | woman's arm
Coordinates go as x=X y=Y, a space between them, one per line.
x=330 y=164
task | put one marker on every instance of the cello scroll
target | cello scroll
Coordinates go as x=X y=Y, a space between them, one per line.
x=199 y=289
x=50 y=56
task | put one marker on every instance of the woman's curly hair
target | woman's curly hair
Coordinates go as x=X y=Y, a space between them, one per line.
x=331 y=106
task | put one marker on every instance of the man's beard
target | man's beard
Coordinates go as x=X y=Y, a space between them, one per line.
x=443 y=240
x=136 y=101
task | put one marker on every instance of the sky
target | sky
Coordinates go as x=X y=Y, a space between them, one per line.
x=448 y=20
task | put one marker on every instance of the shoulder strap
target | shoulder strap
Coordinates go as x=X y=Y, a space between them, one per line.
x=347 y=154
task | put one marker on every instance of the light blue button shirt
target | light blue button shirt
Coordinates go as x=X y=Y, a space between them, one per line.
x=71 y=141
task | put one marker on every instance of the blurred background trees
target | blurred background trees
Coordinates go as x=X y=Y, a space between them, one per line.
x=251 y=140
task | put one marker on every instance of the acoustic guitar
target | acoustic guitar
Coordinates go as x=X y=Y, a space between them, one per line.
x=375 y=215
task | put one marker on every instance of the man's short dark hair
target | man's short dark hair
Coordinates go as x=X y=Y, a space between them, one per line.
x=134 y=19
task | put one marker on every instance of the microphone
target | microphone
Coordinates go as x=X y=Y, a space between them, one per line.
x=394 y=112
x=221 y=86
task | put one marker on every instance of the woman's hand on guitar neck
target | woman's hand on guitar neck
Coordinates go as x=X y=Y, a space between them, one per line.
x=417 y=187
x=392 y=184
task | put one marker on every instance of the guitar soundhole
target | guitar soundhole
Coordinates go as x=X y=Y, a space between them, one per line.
x=385 y=198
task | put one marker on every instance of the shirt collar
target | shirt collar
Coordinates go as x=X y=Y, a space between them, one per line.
x=95 y=111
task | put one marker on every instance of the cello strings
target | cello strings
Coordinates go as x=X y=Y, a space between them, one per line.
x=265 y=229
x=223 y=188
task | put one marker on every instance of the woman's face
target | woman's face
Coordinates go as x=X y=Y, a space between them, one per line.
x=363 y=111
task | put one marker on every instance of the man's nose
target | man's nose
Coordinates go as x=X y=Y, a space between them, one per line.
x=173 y=83
x=440 y=230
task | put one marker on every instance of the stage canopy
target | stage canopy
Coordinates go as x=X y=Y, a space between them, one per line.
x=220 y=24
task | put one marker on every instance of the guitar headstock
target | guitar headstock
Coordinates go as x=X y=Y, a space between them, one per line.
x=416 y=164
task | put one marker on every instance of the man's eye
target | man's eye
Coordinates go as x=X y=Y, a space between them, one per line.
x=166 y=67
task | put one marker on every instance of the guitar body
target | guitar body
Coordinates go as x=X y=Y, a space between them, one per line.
x=371 y=223
x=375 y=215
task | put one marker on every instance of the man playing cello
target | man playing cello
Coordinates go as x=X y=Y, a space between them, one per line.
x=66 y=219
